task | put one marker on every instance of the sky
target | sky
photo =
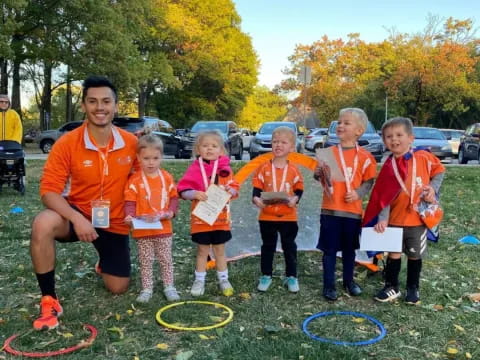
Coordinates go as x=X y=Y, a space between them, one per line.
x=276 y=26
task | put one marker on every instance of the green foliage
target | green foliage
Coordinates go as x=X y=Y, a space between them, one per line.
x=263 y=105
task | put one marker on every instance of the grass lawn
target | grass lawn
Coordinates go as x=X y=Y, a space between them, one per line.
x=265 y=326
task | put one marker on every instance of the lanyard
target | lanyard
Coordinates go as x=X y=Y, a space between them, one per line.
x=400 y=180
x=104 y=169
x=348 y=177
x=163 y=196
x=274 y=177
x=204 y=174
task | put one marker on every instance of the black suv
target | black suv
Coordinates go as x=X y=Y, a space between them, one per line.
x=370 y=140
x=229 y=131
x=161 y=128
x=469 y=148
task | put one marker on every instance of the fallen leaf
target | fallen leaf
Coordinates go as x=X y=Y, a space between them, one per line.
x=468 y=355
x=216 y=318
x=245 y=296
x=459 y=328
x=452 y=351
x=203 y=337
x=162 y=346
x=474 y=297
x=136 y=358
x=438 y=307
x=67 y=335
x=117 y=316
x=130 y=311
x=358 y=320
x=241 y=328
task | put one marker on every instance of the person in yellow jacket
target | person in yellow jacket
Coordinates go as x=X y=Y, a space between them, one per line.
x=10 y=124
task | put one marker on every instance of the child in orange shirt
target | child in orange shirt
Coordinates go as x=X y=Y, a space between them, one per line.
x=404 y=175
x=150 y=194
x=279 y=175
x=341 y=214
x=212 y=166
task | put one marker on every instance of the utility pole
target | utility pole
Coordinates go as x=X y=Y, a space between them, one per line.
x=305 y=78
x=386 y=107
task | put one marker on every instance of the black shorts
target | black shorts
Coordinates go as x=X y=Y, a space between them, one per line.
x=338 y=233
x=113 y=250
x=216 y=237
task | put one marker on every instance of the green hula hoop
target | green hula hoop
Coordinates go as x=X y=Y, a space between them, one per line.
x=201 y=328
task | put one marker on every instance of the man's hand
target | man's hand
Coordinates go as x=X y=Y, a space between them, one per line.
x=258 y=202
x=84 y=229
x=351 y=196
x=380 y=226
x=200 y=195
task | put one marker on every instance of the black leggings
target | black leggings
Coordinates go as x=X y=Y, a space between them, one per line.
x=269 y=231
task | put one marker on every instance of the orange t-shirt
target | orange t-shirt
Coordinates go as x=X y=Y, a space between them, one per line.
x=263 y=180
x=401 y=212
x=135 y=191
x=224 y=220
x=366 y=170
x=74 y=169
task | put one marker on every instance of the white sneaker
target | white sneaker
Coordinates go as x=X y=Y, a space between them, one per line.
x=225 y=287
x=171 y=293
x=198 y=288
x=144 y=296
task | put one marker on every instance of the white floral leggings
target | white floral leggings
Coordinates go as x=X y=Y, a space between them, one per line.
x=148 y=248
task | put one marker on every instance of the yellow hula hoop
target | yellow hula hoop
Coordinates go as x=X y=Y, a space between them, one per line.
x=202 y=328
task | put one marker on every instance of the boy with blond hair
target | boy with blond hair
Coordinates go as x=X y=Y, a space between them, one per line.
x=341 y=213
x=279 y=216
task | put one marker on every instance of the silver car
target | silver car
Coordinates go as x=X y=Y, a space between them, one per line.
x=316 y=139
x=433 y=140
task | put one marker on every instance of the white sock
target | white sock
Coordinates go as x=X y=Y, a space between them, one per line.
x=200 y=275
x=222 y=275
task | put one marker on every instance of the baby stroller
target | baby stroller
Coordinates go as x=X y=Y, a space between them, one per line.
x=12 y=165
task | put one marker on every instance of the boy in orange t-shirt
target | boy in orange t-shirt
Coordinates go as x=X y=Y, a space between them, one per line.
x=279 y=217
x=340 y=218
x=150 y=194
x=410 y=173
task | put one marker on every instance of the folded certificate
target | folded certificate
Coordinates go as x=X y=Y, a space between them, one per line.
x=139 y=224
x=390 y=240
x=209 y=209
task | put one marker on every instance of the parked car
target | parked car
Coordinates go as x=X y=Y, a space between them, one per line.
x=469 y=148
x=432 y=139
x=228 y=129
x=247 y=137
x=316 y=139
x=262 y=142
x=370 y=140
x=172 y=145
x=453 y=137
x=47 y=138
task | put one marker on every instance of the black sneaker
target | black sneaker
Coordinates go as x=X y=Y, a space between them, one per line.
x=330 y=294
x=413 y=296
x=353 y=289
x=388 y=293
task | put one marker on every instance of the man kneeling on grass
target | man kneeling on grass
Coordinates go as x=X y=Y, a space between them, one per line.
x=82 y=188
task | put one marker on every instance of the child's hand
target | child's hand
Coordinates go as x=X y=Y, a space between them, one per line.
x=381 y=226
x=128 y=220
x=200 y=195
x=351 y=196
x=230 y=190
x=258 y=202
x=168 y=214
x=428 y=194
x=292 y=201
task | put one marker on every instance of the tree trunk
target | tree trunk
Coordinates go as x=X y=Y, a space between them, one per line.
x=68 y=97
x=46 y=106
x=142 y=100
x=16 y=101
x=3 y=76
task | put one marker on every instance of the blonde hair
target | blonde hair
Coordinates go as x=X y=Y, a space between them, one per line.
x=149 y=141
x=214 y=134
x=398 y=121
x=285 y=130
x=359 y=114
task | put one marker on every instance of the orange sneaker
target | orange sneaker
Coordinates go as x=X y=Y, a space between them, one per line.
x=50 y=310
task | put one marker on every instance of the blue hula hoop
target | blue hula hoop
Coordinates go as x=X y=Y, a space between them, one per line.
x=379 y=325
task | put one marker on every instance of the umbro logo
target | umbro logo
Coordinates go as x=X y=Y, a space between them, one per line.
x=87 y=163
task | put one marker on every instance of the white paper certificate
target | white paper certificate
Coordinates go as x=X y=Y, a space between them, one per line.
x=389 y=240
x=142 y=224
x=209 y=210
